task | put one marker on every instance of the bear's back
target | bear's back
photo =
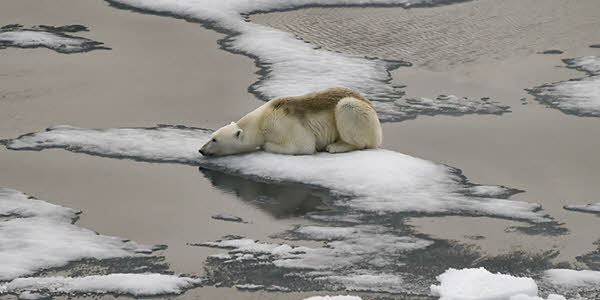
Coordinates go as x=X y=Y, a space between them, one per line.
x=321 y=101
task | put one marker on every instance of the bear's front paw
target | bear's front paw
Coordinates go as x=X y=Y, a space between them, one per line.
x=339 y=147
x=332 y=148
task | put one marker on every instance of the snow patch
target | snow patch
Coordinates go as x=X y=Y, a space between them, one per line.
x=132 y=284
x=480 y=284
x=380 y=249
x=46 y=36
x=333 y=298
x=451 y=105
x=527 y=297
x=388 y=283
x=249 y=287
x=580 y=97
x=325 y=232
x=31 y=296
x=592 y=207
x=572 y=278
x=334 y=264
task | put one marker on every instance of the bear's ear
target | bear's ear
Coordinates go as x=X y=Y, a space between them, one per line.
x=239 y=133
x=231 y=123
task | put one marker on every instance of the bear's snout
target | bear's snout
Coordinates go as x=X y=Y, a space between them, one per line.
x=204 y=152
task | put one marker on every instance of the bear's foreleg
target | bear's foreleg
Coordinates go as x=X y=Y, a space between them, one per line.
x=289 y=148
x=340 y=147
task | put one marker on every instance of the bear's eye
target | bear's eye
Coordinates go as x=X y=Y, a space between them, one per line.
x=214 y=140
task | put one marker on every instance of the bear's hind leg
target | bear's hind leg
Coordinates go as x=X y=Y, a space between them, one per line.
x=357 y=124
x=340 y=147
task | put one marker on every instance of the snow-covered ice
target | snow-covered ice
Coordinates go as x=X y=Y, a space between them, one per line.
x=41 y=235
x=318 y=233
x=333 y=298
x=442 y=105
x=290 y=66
x=31 y=296
x=249 y=287
x=333 y=264
x=361 y=184
x=369 y=282
x=573 y=278
x=229 y=218
x=592 y=207
x=527 y=297
x=336 y=261
x=577 y=96
x=146 y=284
x=371 y=180
x=38 y=235
x=46 y=36
x=480 y=284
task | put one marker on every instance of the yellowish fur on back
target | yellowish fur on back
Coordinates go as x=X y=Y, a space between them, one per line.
x=324 y=100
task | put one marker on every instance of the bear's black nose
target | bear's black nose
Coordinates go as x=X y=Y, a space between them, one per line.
x=204 y=153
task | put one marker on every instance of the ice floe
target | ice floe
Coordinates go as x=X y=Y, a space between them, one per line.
x=372 y=258
x=333 y=298
x=442 y=105
x=290 y=66
x=592 y=207
x=573 y=278
x=380 y=180
x=579 y=97
x=337 y=263
x=130 y=284
x=364 y=246
x=36 y=235
x=31 y=296
x=228 y=218
x=369 y=282
x=49 y=37
x=527 y=297
x=350 y=244
x=480 y=284
x=40 y=235
x=249 y=287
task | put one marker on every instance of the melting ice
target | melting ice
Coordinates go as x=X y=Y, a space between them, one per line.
x=37 y=235
x=364 y=184
x=579 y=97
x=41 y=235
x=371 y=180
x=480 y=284
x=591 y=208
x=146 y=284
x=49 y=37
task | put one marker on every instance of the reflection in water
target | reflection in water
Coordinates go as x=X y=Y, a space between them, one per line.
x=357 y=246
x=282 y=200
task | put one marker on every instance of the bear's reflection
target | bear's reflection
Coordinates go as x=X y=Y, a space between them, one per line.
x=282 y=200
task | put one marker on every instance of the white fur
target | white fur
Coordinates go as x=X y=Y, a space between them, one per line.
x=352 y=125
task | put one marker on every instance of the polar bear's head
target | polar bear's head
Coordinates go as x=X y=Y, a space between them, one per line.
x=227 y=140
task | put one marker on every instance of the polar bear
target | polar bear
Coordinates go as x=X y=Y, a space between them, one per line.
x=333 y=120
